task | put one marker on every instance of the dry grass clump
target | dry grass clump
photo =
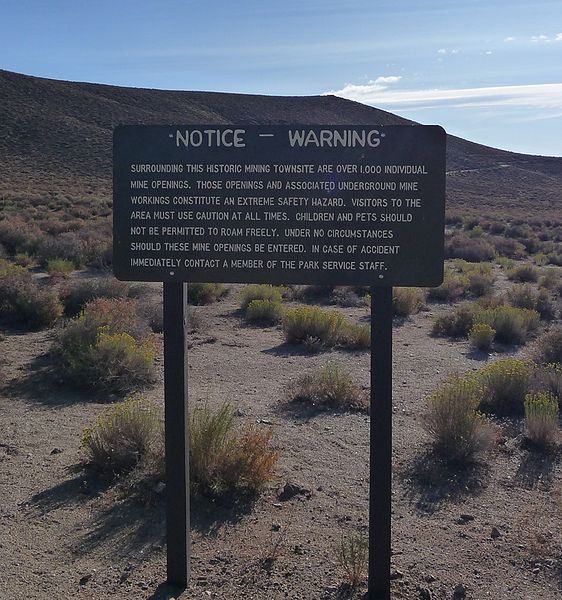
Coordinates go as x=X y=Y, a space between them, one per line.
x=541 y=420
x=352 y=554
x=23 y=302
x=524 y=295
x=224 y=460
x=407 y=300
x=456 y=322
x=524 y=273
x=90 y=246
x=264 y=311
x=330 y=387
x=505 y=384
x=59 y=268
x=77 y=294
x=311 y=324
x=550 y=279
x=513 y=325
x=508 y=248
x=260 y=291
x=19 y=236
x=205 y=293
x=482 y=336
x=107 y=347
x=549 y=347
x=122 y=436
x=454 y=287
x=549 y=378
x=460 y=433
x=473 y=249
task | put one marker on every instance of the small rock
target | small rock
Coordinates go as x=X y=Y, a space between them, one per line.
x=396 y=574
x=425 y=593
x=495 y=534
x=291 y=489
x=430 y=578
x=275 y=526
x=464 y=518
x=84 y=580
x=298 y=549
x=459 y=592
x=56 y=451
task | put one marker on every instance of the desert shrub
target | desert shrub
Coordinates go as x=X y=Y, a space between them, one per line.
x=223 y=460
x=480 y=284
x=16 y=235
x=330 y=327
x=555 y=258
x=344 y=295
x=540 y=259
x=455 y=323
x=76 y=295
x=204 y=293
x=525 y=295
x=264 y=311
x=407 y=300
x=23 y=259
x=482 y=336
x=460 y=434
x=513 y=325
x=550 y=346
x=550 y=279
x=454 y=286
x=328 y=387
x=541 y=420
x=508 y=248
x=122 y=436
x=106 y=347
x=523 y=273
x=352 y=554
x=549 y=378
x=474 y=249
x=505 y=263
x=260 y=292
x=505 y=383
x=23 y=302
x=57 y=267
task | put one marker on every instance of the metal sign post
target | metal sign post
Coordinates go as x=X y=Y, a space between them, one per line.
x=176 y=422
x=380 y=467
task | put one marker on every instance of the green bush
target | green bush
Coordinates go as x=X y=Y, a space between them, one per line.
x=106 y=348
x=454 y=286
x=264 y=311
x=513 y=325
x=524 y=273
x=225 y=461
x=59 y=267
x=407 y=300
x=482 y=336
x=329 y=387
x=205 y=293
x=122 y=436
x=455 y=323
x=352 y=554
x=505 y=384
x=330 y=327
x=260 y=291
x=23 y=302
x=541 y=420
x=460 y=434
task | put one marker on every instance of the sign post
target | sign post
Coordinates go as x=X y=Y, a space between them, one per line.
x=280 y=204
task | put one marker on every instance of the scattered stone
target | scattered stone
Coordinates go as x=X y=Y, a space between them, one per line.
x=425 y=593
x=495 y=534
x=298 y=549
x=396 y=574
x=291 y=489
x=84 y=580
x=459 y=592
x=430 y=578
x=275 y=526
x=464 y=518
x=56 y=451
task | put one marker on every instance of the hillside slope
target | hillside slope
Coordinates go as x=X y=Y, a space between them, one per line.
x=55 y=136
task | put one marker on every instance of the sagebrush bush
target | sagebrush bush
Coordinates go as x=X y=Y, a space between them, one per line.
x=482 y=336
x=454 y=286
x=106 y=348
x=224 y=460
x=407 y=300
x=204 y=293
x=77 y=294
x=513 y=325
x=329 y=387
x=549 y=378
x=508 y=248
x=457 y=322
x=460 y=433
x=59 y=267
x=524 y=273
x=549 y=347
x=550 y=279
x=264 y=311
x=122 y=436
x=260 y=291
x=505 y=384
x=23 y=302
x=541 y=420
x=524 y=295
x=352 y=554
x=474 y=249
x=330 y=327
x=19 y=236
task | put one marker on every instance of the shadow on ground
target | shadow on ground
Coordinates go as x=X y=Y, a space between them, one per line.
x=535 y=469
x=431 y=482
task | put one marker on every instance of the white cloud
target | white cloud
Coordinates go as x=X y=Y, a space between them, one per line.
x=509 y=39
x=558 y=37
x=455 y=51
x=441 y=51
x=539 y=96
x=540 y=38
x=389 y=79
x=488 y=52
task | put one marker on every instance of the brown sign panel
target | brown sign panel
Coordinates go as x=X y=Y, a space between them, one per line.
x=345 y=205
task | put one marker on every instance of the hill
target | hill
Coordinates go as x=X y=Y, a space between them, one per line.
x=55 y=137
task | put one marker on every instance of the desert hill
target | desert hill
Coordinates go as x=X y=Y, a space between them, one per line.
x=55 y=136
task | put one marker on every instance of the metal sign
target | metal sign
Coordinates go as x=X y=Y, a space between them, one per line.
x=347 y=205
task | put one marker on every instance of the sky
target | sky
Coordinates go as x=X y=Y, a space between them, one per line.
x=489 y=71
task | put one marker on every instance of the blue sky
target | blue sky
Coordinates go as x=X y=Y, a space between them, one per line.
x=489 y=71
